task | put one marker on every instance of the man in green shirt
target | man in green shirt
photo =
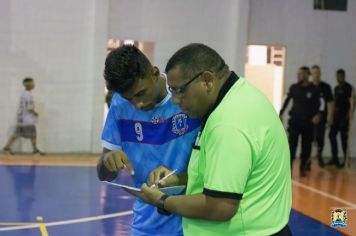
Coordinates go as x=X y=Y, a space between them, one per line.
x=239 y=180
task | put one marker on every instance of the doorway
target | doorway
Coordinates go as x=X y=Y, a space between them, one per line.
x=265 y=69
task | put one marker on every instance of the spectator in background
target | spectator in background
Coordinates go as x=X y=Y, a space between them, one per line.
x=303 y=115
x=327 y=101
x=26 y=119
x=344 y=108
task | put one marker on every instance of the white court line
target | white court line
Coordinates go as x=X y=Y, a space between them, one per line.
x=67 y=222
x=349 y=204
x=17 y=223
x=95 y=218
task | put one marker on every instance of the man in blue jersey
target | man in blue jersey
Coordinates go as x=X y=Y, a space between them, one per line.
x=143 y=130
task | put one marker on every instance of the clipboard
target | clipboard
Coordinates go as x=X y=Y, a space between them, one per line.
x=125 y=187
x=172 y=190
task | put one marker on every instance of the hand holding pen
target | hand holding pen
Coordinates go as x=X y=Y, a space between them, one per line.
x=156 y=179
x=117 y=160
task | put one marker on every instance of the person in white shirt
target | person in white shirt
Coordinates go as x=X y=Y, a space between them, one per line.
x=26 y=119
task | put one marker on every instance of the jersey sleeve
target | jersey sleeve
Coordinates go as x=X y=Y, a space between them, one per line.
x=110 y=137
x=228 y=163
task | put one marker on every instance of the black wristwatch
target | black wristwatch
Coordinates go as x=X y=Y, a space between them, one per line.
x=160 y=206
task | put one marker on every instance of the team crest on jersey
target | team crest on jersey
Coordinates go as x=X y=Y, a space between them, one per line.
x=156 y=120
x=309 y=94
x=179 y=124
x=338 y=218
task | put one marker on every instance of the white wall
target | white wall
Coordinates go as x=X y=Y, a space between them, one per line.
x=172 y=24
x=61 y=44
x=325 y=38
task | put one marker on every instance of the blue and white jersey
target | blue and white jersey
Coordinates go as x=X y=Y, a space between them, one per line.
x=161 y=136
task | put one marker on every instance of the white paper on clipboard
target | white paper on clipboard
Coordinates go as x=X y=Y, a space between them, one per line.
x=173 y=190
x=124 y=186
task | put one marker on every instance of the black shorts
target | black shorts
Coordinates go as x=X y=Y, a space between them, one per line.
x=26 y=131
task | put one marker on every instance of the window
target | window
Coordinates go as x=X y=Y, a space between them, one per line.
x=330 y=5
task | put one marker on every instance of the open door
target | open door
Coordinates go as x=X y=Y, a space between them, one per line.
x=265 y=70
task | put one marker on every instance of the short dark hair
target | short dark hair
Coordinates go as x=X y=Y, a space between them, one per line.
x=305 y=68
x=196 y=57
x=27 y=79
x=316 y=67
x=341 y=72
x=123 y=66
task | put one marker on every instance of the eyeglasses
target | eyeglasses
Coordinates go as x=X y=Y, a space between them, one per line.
x=180 y=90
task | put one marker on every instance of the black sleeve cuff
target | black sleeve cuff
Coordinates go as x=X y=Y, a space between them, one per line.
x=214 y=193
x=103 y=173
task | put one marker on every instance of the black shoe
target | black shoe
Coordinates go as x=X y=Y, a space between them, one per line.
x=38 y=152
x=331 y=163
x=308 y=166
x=321 y=162
x=340 y=166
x=7 y=151
x=303 y=170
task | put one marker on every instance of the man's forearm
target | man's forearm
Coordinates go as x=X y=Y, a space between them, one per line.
x=32 y=112
x=330 y=110
x=352 y=104
x=284 y=106
x=201 y=206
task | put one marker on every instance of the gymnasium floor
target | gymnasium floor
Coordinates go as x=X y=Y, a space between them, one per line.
x=60 y=195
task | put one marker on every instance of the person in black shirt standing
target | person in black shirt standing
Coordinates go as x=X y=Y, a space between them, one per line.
x=344 y=107
x=327 y=102
x=304 y=114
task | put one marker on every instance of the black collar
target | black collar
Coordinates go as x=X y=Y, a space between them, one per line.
x=223 y=91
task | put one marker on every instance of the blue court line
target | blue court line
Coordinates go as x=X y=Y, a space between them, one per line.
x=302 y=224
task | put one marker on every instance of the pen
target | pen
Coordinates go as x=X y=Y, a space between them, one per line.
x=165 y=177
x=131 y=172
